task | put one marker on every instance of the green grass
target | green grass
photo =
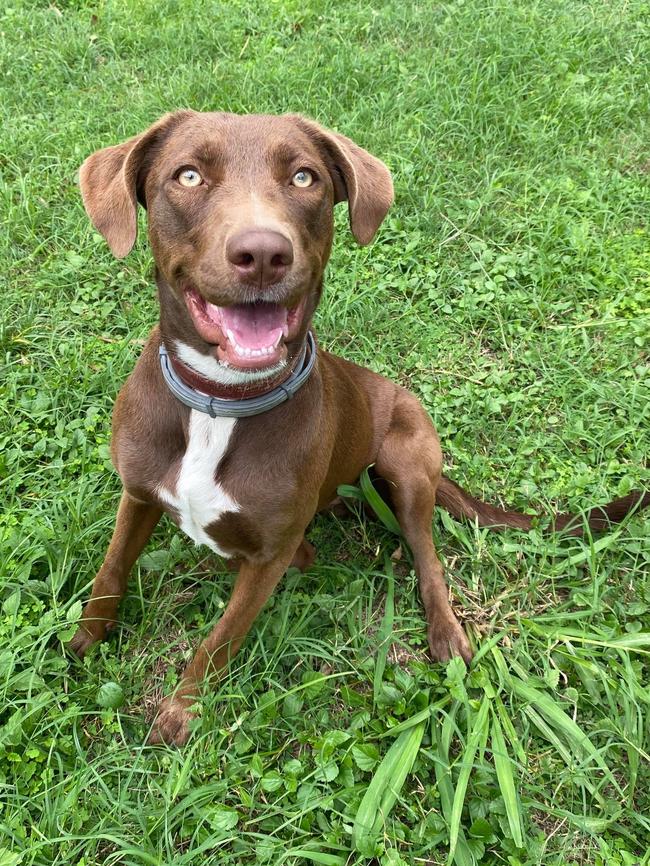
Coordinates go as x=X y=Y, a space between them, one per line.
x=509 y=288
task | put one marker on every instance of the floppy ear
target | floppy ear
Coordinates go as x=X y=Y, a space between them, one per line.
x=360 y=178
x=110 y=180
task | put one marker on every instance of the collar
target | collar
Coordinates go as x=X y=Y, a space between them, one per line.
x=220 y=407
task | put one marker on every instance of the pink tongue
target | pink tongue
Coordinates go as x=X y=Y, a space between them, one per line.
x=255 y=326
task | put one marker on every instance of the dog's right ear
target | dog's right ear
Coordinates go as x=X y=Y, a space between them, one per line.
x=110 y=180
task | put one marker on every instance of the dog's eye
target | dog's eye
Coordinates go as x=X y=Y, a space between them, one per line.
x=302 y=179
x=189 y=177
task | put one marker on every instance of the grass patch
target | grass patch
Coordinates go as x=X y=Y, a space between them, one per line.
x=509 y=288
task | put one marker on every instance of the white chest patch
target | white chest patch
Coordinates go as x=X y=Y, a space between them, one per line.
x=198 y=498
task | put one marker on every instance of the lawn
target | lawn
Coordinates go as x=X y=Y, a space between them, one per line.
x=509 y=288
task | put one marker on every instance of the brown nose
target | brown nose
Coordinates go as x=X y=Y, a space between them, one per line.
x=259 y=256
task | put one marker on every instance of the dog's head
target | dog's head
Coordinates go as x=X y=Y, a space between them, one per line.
x=240 y=220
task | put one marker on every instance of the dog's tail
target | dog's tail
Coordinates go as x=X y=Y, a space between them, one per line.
x=459 y=504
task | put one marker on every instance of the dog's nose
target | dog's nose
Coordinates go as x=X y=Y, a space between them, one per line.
x=260 y=256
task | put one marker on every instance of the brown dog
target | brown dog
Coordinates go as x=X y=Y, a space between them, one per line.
x=240 y=223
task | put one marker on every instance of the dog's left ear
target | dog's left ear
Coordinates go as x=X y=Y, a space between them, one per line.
x=359 y=178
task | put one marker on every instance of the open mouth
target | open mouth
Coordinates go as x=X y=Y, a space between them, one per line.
x=248 y=336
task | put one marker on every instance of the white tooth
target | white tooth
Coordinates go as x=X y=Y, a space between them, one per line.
x=278 y=340
x=247 y=353
x=230 y=335
x=214 y=312
x=256 y=353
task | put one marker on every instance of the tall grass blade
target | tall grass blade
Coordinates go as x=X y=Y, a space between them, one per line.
x=549 y=734
x=509 y=730
x=350 y=491
x=637 y=642
x=384 y=789
x=503 y=766
x=385 y=631
x=422 y=716
x=446 y=791
x=564 y=724
x=595 y=547
x=377 y=504
x=315 y=857
x=467 y=764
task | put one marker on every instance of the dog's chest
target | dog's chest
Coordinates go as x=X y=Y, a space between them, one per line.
x=198 y=498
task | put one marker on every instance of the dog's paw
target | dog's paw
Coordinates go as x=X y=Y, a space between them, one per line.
x=86 y=635
x=171 y=725
x=304 y=557
x=447 y=639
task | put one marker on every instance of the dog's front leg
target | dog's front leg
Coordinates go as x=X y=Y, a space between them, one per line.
x=253 y=587
x=134 y=524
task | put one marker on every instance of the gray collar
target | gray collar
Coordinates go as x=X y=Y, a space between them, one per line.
x=218 y=407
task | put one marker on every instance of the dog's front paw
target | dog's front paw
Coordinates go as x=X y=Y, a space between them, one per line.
x=88 y=633
x=447 y=639
x=171 y=725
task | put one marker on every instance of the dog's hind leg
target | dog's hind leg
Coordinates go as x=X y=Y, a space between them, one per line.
x=410 y=460
x=134 y=524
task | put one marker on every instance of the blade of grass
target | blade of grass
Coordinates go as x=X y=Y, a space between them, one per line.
x=448 y=727
x=633 y=723
x=446 y=792
x=503 y=766
x=315 y=857
x=588 y=824
x=422 y=716
x=384 y=788
x=584 y=670
x=374 y=500
x=596 y=547
x=467 y=764
x=510 y=732
x=558 y=719
x=349 y=491
x=549 y=734
x=638 y=642
x=385 y=631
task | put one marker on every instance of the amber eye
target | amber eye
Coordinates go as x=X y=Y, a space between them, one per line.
x=302 y=179
x=189 y=177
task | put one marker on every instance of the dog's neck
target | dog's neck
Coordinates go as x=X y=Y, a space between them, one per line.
x=227 y=384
